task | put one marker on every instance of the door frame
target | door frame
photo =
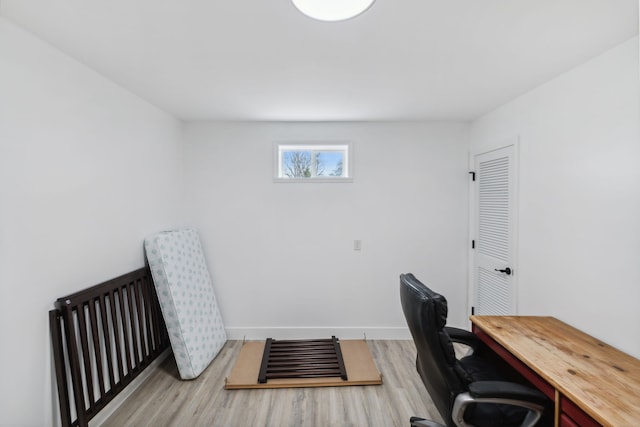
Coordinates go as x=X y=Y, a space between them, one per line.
x=481 y=149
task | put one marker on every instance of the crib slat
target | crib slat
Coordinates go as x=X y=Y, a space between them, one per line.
x=84 y=344
x=116 y=321
x=106 y=336
x=140 y=323
x=97 y=353
x=133 y=328
x=159 y=327
x=147 y=298
x=126 y=331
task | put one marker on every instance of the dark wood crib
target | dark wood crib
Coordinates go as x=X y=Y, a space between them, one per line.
x=103 y=337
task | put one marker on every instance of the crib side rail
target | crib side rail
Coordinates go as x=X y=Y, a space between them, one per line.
x=103 y=337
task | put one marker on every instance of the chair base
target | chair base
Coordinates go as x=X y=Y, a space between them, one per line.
x=421 y=422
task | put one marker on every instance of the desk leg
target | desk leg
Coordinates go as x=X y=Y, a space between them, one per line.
x=556 y=410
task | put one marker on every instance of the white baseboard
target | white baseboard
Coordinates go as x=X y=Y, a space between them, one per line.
x=302 y=332
x=111 y=407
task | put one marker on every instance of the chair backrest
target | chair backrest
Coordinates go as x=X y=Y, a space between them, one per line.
x=426 y=315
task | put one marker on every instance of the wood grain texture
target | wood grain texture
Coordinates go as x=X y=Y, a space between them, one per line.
x=604 y=382
x=164 y=400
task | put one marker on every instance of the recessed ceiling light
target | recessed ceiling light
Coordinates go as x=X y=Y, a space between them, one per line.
x=332 y=10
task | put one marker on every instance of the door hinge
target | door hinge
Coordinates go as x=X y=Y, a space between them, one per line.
x=473 y=311
x=473 y=244
x=473 y=176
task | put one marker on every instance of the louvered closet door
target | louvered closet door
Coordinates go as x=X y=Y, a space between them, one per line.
x=494 y=281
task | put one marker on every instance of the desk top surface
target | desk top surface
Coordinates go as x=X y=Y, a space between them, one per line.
x=602 y=380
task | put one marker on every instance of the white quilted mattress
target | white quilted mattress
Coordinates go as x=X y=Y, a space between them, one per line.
x=187 y=299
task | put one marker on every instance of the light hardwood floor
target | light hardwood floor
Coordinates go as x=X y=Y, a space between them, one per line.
x=164 y=400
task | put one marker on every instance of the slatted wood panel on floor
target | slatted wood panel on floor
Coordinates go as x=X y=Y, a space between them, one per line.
x=163 y=400
x=302 y=359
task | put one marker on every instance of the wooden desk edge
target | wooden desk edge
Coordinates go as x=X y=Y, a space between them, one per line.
x=481 y=323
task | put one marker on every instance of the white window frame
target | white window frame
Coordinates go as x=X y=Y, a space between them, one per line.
x=315 y=146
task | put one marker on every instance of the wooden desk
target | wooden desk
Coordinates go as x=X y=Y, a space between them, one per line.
x=591 y=382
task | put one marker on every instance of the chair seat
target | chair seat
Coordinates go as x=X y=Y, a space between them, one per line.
x=473 y=368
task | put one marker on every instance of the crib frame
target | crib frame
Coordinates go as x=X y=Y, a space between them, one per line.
x=102 y=338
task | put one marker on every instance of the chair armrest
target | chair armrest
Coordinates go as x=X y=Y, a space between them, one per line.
x=502 y=393
x=506 y=390
x=421 y=422
x=462 y=336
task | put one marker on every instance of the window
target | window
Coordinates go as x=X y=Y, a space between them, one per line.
x=317 y=162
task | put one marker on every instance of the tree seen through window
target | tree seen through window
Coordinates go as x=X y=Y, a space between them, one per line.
x=309 y=163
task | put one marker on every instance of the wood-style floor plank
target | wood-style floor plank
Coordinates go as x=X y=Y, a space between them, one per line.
x=165 y=400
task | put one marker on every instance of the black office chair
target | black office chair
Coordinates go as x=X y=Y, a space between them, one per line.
x=470 y=391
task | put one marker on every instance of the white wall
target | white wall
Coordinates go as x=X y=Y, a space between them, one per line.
x=87 y=170
x=281 y=254
x=579 y=251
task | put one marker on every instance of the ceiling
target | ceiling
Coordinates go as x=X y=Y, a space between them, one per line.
x=263 y=60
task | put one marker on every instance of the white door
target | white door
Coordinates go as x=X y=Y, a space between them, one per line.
x=494 y=276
